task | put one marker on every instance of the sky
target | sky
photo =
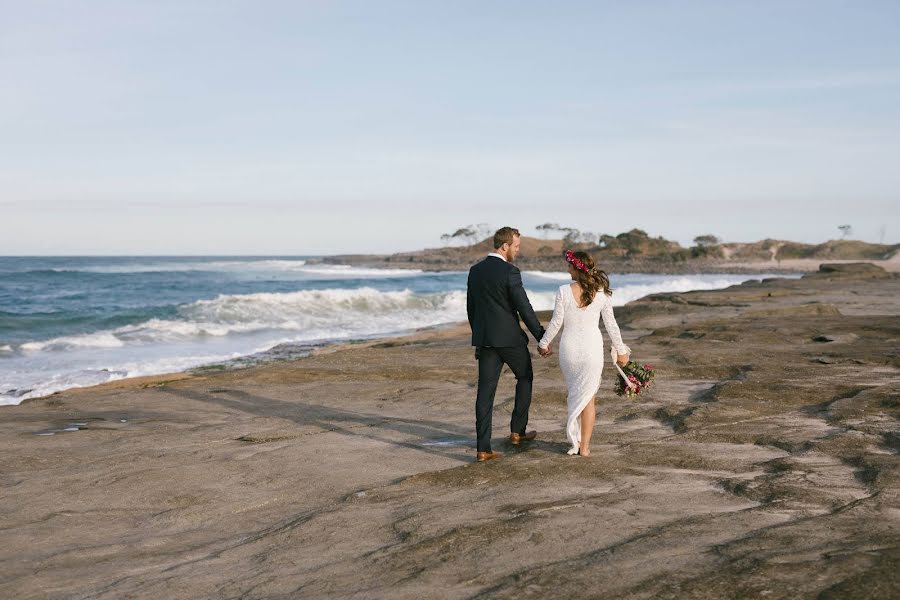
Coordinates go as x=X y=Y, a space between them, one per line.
x=323 y=127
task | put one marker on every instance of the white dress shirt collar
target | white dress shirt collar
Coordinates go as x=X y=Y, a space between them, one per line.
x=500 y=256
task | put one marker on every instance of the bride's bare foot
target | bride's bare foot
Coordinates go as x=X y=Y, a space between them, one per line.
x=584 y=451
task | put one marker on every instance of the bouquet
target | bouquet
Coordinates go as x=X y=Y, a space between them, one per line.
x=633 y=379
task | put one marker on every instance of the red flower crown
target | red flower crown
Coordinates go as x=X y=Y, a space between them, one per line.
x=572 y=259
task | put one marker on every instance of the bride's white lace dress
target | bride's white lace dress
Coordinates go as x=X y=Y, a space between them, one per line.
x=581 y=350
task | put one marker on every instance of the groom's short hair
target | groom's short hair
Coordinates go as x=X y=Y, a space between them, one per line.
x=505 y=235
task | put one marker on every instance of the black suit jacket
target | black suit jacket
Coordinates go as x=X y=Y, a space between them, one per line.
x=495 y=301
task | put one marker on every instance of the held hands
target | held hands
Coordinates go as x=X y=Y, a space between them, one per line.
x=621 y=359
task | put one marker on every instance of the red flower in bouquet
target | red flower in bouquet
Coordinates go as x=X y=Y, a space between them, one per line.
x=639 y=376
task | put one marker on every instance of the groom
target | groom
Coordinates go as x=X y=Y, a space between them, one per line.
x=495 y=302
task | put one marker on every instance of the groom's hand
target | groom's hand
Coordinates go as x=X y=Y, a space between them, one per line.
x=545 y=352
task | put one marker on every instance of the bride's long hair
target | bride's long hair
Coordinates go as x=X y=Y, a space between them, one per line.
x=590 y=278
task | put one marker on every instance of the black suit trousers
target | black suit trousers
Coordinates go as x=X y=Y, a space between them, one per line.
x=490 y=364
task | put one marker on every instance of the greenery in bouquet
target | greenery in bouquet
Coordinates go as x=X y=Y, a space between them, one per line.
x=639 y=375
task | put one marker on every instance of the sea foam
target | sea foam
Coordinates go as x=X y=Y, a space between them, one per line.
x=313 y=315
x=309 y=314
x=628 y=292
x=631 y=287
x=102 y=339
x=346 y=271
x=232 y=325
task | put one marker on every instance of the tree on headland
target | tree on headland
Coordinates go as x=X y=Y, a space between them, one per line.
x=575 y=237
x=484 y=230
x=447 y=238
x=707 y=246
x=706 y=240
x=845 y=231
x=572 y=236
x=546 y=228
x=471 y=234
x=461 y=234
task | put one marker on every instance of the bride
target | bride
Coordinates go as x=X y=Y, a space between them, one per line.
x=579 y=307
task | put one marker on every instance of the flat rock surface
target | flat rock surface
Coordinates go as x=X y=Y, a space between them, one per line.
x=762 y=464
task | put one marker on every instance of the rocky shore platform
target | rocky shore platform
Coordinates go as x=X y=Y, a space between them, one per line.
x=762 y=464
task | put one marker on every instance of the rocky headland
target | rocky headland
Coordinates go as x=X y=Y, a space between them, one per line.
x=637 y=252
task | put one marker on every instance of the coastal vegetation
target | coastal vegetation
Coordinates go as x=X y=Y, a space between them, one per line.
x=632 y=251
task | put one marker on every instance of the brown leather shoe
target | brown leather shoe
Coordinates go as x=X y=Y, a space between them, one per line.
x=484 y=456
x=517 y=438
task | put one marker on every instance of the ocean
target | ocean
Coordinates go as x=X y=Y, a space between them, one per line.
x=78 y=321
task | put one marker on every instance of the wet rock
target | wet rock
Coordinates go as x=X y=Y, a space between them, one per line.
x=747 y=472
x=813 y=309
